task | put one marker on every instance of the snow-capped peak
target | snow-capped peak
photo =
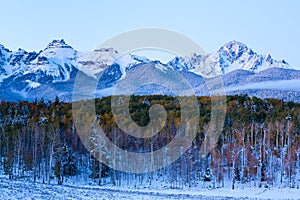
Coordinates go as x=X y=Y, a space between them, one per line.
x=98 y=60
x=3 y=48
x=58 y=44
x=4 y=54
x=56 y=60
x=20 y=52
x=92 y=63
x=236 y=55
x=234 y=50
x=58 y=51
x=232 y=56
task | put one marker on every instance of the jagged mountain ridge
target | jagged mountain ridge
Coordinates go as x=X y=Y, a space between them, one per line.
x=232 y=56
x=51 y=72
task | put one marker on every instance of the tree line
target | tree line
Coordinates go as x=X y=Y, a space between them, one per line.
x=259 y=144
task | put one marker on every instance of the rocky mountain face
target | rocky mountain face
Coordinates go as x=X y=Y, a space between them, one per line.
x=52 y=71
x=232 y=56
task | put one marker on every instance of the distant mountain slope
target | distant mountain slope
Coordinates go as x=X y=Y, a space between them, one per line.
x=51 y=72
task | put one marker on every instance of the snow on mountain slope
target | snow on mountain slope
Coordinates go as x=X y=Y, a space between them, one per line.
x=5 y=70
x=96 y=61
x=232 y=56
x=99 y=60
x=56 y=60
x=237 y=55
x=236 y=77
x=128 y=61
x=272 y=74
x=29 y=74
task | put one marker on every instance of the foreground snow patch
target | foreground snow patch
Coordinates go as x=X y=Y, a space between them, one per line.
x=21 y=189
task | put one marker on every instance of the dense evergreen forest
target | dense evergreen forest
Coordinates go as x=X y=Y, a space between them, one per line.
x=259 y=144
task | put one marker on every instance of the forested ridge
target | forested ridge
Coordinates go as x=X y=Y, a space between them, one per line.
x=259 y=144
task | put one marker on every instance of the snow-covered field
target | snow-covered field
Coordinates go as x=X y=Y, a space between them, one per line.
x=20 y=189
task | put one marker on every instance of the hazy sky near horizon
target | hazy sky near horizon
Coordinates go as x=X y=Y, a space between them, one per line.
x=268 y=26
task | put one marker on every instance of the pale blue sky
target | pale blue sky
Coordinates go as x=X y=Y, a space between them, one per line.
x=267 y=26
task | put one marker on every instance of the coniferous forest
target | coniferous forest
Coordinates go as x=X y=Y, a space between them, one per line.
x=259 y=144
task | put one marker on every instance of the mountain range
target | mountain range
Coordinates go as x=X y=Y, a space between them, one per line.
x=52 y=71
